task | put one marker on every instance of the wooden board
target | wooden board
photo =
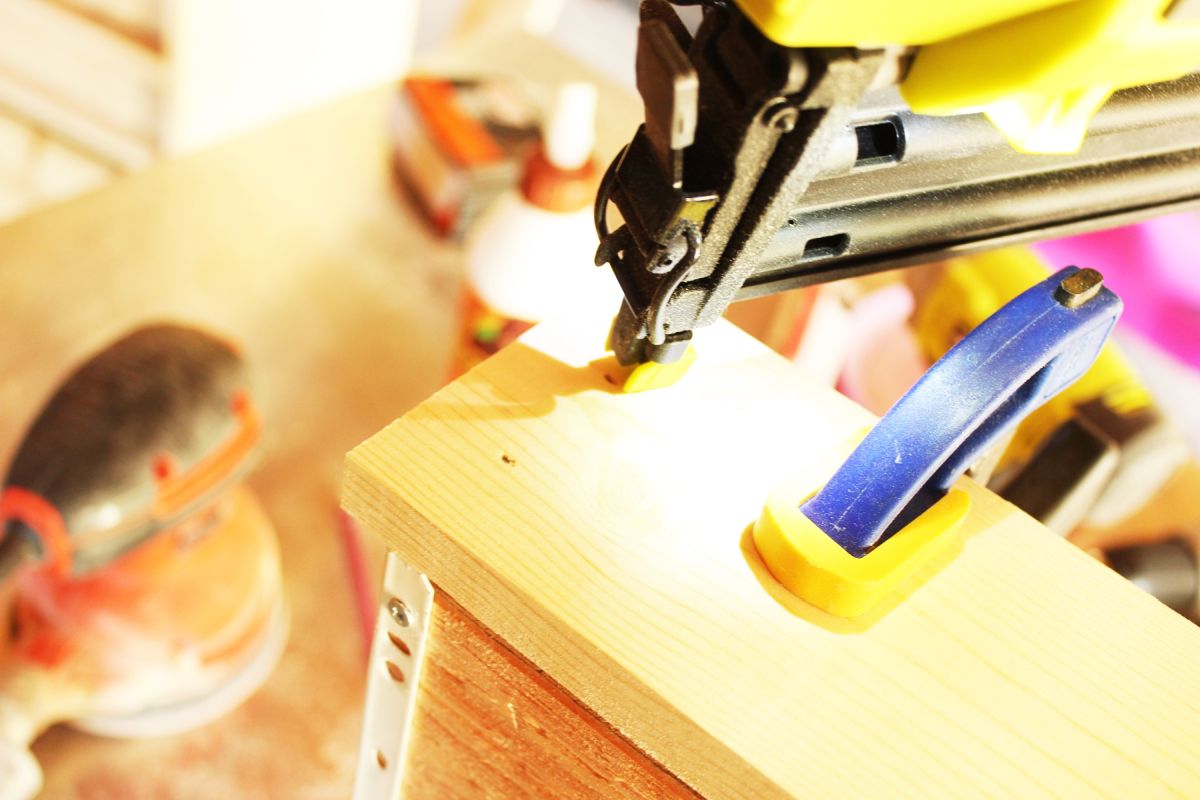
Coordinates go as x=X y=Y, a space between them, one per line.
x=88 y=84
x=489 y=724
x=603 y=536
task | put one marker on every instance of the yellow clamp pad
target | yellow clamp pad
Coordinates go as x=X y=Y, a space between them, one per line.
x=653 y=375
x=816 y=569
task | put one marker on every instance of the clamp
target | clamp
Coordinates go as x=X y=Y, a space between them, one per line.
x=890 y=507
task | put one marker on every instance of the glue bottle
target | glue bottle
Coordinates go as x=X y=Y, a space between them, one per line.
x=530 y=255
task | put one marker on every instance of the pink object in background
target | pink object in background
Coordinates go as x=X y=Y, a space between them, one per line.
x=362 y=587
x=1155 y=268
x=883 y=359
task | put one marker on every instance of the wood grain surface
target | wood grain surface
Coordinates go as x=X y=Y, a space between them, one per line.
x=294 y=241
x=603 y=537
x=490 y=725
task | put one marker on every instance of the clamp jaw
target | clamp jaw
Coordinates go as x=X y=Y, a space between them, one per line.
x=891 y=507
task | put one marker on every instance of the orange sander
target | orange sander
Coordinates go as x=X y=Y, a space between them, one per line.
x=141 y=579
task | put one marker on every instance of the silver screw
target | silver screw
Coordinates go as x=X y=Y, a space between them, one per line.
x=1078 y=288
x=400 y=612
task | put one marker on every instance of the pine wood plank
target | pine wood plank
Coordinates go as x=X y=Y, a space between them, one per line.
x=602 y=537
x=124 y=151
x=79 y=78
x=139 y=20
x=489 y=724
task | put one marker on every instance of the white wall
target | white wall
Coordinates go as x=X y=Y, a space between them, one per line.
x=235 y=64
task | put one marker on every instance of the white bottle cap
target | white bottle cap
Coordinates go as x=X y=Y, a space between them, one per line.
x=570 y=132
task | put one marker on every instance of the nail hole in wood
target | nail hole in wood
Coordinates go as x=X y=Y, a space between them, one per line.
x=395 y=671
x=507 y=459
x=399 y=643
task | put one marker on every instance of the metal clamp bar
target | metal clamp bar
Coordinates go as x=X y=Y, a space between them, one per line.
x=393 y=678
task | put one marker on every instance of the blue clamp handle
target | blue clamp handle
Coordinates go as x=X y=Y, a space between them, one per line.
x=1017 y=359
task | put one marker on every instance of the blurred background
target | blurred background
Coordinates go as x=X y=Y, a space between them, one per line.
x=332 y=190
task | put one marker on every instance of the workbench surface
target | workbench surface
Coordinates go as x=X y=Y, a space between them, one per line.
x=294 y=241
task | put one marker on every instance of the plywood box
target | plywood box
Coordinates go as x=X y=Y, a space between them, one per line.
x=604 y=627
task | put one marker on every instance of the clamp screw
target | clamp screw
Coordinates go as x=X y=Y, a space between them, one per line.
x=1078 y=288
x=400 y=612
